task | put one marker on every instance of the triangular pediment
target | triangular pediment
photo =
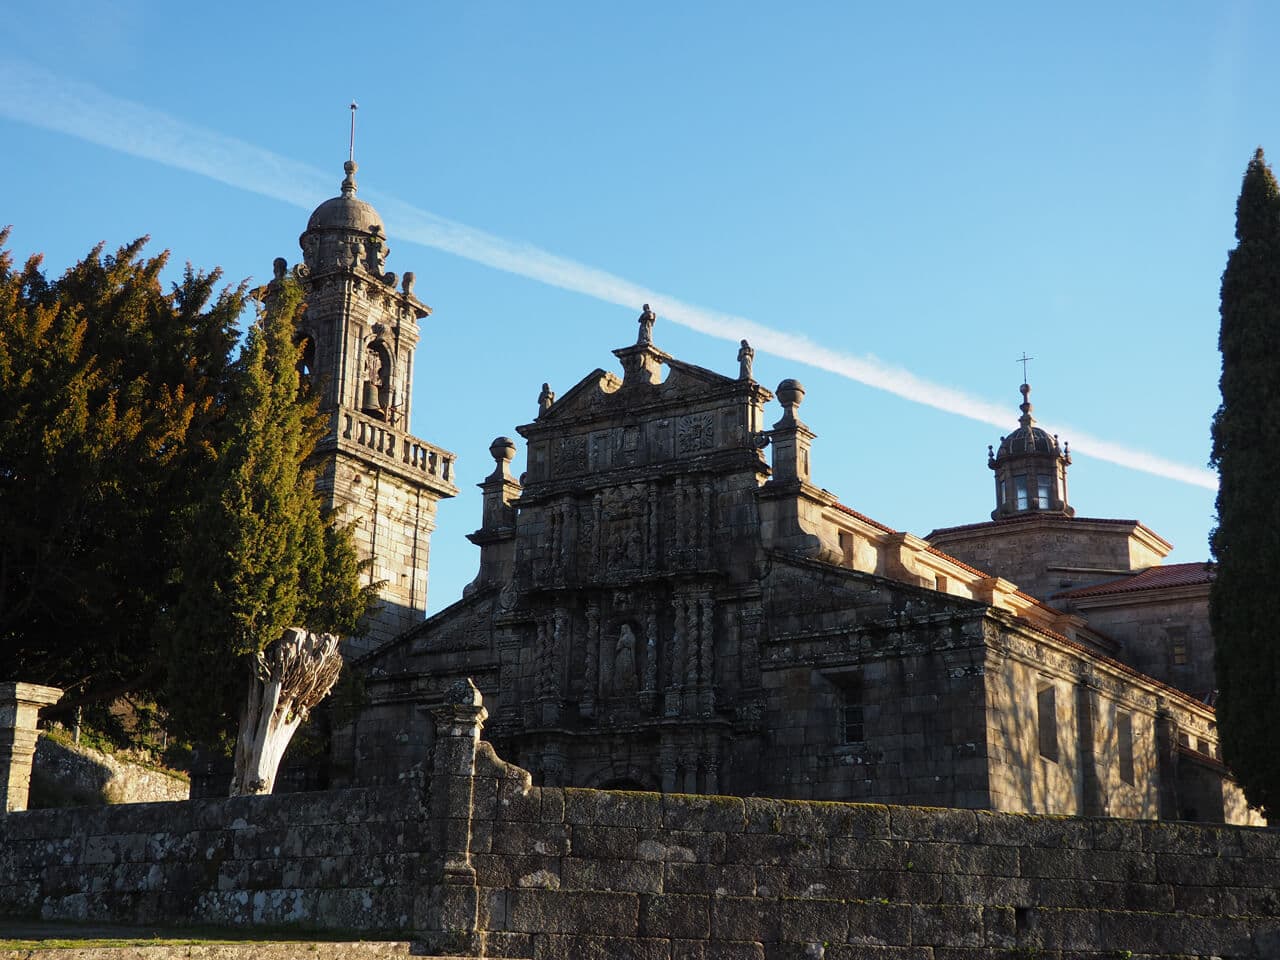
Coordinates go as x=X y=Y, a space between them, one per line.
x=584 y=398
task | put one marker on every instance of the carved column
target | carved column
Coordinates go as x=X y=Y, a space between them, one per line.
x=649 y=688
x=20 y=705
x=597 y=537
x=704 y=526
x=693 y=650
x=711 y=770
x=689 y=763
x=591 y=685
x=668 y=764
x=508 y=641
x=682 y=513
x=706 y=664
x=749 y=645
x=542 y=686
x=675 y=675
x=557 y=642
x=653 y=528
x=554 y=764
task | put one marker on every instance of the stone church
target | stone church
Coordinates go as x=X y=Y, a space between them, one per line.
x=667 y=601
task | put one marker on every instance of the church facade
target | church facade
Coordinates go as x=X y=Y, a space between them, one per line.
x=665 y=600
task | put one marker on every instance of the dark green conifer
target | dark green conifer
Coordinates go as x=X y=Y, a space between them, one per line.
x=109 y=388
x=261 y=557
x=1245 y=599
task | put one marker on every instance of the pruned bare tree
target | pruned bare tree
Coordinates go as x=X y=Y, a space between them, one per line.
x=289 y=678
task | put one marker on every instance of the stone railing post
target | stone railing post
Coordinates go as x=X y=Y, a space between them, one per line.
x=450 y=917
x=20 y=705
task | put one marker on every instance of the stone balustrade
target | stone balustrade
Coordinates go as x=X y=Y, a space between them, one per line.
x=395 y=445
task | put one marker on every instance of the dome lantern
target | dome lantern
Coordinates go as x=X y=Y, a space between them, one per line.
x=1031 y=469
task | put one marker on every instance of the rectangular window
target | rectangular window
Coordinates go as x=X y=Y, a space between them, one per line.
x=1020 y=491
x=851 y=710
x=1047 y=720
x=1124 y=746
x=1003 y=496
x=1044 y=486
x=940 y=583
x=1177 y=645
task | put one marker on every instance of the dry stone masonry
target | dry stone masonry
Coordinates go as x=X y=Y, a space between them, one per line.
x=479 y=862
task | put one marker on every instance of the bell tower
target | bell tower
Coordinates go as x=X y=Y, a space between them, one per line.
x=359 y=332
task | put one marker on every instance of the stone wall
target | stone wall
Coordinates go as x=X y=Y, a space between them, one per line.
x=1151 y=624
x=1044 y=554
x=486 y=864
x=342 y=860
x=567 y=873
x=90 y=776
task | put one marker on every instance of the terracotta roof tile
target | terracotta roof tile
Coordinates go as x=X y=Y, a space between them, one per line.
x=1153 y=578
x=864 y=518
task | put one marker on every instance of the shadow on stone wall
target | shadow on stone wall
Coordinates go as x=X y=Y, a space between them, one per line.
x=65 y=775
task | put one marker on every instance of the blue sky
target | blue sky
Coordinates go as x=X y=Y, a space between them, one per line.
x=911 y=194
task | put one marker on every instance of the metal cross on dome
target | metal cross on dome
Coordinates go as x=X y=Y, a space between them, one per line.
x=1023 y=360
x=351 y=150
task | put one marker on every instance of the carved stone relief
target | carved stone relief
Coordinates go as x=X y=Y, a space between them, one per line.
x=695 y=433
x=570 y=455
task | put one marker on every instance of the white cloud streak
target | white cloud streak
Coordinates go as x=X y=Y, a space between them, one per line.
x=34 y=96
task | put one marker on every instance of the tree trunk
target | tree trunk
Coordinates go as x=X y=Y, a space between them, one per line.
x=289 y=678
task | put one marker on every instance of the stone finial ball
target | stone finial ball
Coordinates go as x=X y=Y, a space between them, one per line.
x=790 y=393
x=503 y=449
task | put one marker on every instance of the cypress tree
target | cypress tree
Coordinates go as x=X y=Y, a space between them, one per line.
x=261 y=558
x=1244 y=604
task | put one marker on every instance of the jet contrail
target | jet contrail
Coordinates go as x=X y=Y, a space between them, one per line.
x=34 y=96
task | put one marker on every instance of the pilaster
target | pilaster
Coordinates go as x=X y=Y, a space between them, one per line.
x=20 y=705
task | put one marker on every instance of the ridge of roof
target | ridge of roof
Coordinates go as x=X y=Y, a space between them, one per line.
x=1036 y=515
x=1159 y=577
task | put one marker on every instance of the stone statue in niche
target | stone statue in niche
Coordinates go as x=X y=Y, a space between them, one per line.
x=624 y=661
x=646 y=320
x=746 y=357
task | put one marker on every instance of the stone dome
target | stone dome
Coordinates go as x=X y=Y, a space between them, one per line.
x=346 y=212
x=1030 y=439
